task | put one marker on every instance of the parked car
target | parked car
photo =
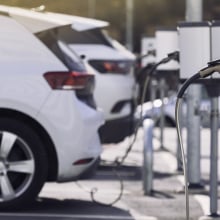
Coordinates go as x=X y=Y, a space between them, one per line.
x=116 y=90
x=113 y=64
x=48 y=120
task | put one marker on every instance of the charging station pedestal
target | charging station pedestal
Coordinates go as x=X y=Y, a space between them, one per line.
x=167 y=74
x=213 y=88
x=199 y=44
x=167 y=42
x=194 y=43
x=148 y=46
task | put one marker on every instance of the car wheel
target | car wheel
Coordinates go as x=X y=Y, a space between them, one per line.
x=23 y=164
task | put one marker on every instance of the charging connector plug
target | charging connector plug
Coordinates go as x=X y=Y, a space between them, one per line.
x=208 y=71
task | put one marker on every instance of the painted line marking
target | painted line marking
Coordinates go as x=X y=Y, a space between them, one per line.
x=48 y=215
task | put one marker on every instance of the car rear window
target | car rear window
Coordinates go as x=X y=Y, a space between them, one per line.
x=69 y=58
x=94 y=36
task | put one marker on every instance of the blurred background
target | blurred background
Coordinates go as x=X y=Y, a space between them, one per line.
x=145 y=15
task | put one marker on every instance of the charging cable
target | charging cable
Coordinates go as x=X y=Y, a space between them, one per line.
x=120 y=160
x=212 y=67
x=171 y=56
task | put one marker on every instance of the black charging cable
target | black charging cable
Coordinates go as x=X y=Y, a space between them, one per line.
x=212 y=67
x=117 y=163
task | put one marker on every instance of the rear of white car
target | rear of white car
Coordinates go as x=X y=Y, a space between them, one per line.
x=48 y=128
x=115 y=90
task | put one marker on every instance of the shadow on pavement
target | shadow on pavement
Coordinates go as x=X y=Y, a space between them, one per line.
x=126 y=172
x=46 y=208
x=110 y=172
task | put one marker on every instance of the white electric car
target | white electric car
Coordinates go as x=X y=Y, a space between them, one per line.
x=115 y=90
x=48 y=120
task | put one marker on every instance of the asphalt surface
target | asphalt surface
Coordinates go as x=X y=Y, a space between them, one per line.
x=166 y=202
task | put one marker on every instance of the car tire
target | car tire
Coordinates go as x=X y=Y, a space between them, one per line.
x=23 y=164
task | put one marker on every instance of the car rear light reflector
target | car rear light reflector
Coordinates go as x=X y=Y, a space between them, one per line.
x=112 y=66
x=69 y=80
x=83 y=161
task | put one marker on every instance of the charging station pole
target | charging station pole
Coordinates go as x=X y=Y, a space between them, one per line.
x=91 y=8
x=193 y=14
x=214 y=157
x=165 y=71
x=214 y=92
x=129 y=24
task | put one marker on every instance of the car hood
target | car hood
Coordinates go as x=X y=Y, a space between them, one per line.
x=40 y=21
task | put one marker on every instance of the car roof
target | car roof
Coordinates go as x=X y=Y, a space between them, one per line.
x=39 y=21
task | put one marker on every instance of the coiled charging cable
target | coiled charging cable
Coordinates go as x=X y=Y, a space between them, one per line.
x=170 y=56
x=120 y=160
x=212 y=67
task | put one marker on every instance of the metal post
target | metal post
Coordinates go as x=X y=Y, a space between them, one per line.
x=129 y=24
x=194 y=10
x=153 y=95
x=214 y=157
x=148 y=126
x=91 y=8
x=162 y=119
x=193 y=13
x=193 y=134
x=178 y=151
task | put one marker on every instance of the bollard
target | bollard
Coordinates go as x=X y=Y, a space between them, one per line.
x=153 y=90
x=214 y=157
x=193 y=139
x=178 y=150
x=148 y=125
x=162 y=119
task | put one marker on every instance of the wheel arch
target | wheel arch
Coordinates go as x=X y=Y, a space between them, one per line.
x=42 y=133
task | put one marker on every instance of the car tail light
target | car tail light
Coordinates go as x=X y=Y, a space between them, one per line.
x=70 y=80
x=112 y=66
x=83 y=161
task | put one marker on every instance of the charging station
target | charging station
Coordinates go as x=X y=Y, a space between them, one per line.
x=213 y=90
x=194 y=44
x=199 y=45
x=148 y=46
x=167 y=74
x=212 y=86
x=167 y=42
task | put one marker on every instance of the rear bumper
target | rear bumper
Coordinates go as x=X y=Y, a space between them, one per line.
x=114 y=131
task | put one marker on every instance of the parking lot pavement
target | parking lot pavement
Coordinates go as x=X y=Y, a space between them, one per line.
x=200 y=195
x=167 y=202
x=168 y=199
